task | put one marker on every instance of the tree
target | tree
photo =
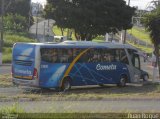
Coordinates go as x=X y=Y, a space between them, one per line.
x=152 y=24
x=15 y=23
x=18 y=7
x=90 y=18
x=21 y=7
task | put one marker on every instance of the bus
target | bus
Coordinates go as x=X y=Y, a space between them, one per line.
x=75 y=63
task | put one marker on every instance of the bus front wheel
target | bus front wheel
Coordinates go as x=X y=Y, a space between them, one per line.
x=145 y=77
x=66 y=85
x=123 y=81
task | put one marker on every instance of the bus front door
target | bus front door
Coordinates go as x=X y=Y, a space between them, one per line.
x=136 y=67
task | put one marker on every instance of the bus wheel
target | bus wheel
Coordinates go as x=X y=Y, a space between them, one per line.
x=145 y=78
x=123 y=81
x=66 y=85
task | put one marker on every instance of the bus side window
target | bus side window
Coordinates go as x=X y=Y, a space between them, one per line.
x=123 y=57
x=96 y=56
x=76 y=52
x=84 y=58
x=65 y=55
x=117 y=55
x=53 y=56
x=108 y=55
x=90 y=55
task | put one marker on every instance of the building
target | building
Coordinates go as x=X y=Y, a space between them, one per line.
x=37 y=9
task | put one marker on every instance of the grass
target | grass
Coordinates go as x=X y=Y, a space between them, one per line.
x=140 y=34
x=85 y=92
x=99 y=39
x=11 y=112
x=68 y=115
x=9 y=40
x=150 y=91
x=57 y=32
x=5 y=80
x=142 y=48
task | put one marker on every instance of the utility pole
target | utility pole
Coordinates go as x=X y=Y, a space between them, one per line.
x=1 y=30
x=30 y=14
x=37 y=23
x=44 y=32
x=125 y=32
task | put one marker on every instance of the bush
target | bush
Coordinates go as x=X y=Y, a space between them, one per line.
x=9 y=40
x=15 y=23
x=7 y=55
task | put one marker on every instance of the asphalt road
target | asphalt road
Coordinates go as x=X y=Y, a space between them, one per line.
x=87 y=106
x=5 y=69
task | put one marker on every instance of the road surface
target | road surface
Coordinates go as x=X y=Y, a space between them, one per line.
x=87 y=106
x=5 y=69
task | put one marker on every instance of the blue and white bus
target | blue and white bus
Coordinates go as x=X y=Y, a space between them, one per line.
x=75 y=63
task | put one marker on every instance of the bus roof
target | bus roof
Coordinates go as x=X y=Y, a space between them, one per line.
x=83 y=44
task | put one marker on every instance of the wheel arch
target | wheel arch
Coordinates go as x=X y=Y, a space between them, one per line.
x=68 y=77
x=126 y=77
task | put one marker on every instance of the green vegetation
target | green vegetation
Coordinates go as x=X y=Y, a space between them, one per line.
x=141 y=34
x=152 y=24
x=14 y=109
x=9 y=40
x=90 y=19
x=15 y=23
x=5 y=80
x=57 y=32
x=68 y=115
x=140 y=47
x=99 y=39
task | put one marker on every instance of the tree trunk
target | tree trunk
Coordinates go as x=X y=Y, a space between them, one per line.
x=89 y=37
x=83 y=37
x=157 y=63
x=62 y=31
x=77 y=36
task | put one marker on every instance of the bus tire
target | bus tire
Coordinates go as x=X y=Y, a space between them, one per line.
x=145 y=77
x=123 y=81
x=66 y=84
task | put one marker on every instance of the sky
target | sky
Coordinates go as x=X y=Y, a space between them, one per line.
x=142 y=4
x=39 y=1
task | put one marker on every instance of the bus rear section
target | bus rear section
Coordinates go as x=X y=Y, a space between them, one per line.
x=24 y=65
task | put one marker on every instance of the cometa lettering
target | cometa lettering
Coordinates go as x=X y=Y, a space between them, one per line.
x=23 y=71
x=106 y=67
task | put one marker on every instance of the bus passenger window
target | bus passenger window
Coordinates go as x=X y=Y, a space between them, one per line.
x=53 y=55
x=70 y=55
x=123 y=57
x=65 y=55
x=49 y=55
